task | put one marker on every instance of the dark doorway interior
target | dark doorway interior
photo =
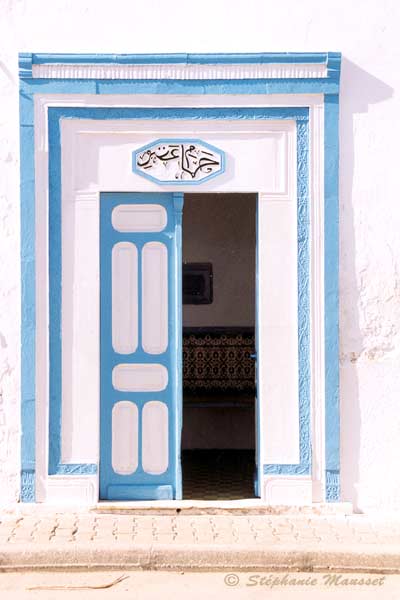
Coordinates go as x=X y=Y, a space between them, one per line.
x=218 y=438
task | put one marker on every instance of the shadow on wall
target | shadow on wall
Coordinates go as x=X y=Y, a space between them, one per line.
x=359 y=90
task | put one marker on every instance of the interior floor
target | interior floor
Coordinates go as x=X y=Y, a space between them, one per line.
x=218 y=474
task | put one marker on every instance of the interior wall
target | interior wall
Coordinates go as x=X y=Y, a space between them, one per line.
x=220 y=228
x=210 y=428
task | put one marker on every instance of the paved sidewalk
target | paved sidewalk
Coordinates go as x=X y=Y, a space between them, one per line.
x=355 y=543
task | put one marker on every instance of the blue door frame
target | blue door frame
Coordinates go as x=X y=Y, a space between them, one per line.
x=31 y=85
x=141 y=484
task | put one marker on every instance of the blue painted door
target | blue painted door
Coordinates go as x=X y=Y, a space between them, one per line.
x=140 y=345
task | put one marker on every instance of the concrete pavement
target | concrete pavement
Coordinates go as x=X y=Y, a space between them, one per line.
x=180 y=585
x=297 y=542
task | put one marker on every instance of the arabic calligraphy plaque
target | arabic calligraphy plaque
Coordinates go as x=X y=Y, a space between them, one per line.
x=178 y=161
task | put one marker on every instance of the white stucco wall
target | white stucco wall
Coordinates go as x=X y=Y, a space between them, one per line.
x=366 y=32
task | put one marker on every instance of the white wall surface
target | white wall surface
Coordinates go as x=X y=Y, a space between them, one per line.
x=366 y=32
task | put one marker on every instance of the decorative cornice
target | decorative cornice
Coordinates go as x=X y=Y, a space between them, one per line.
x=181 y=71
x=325 y=65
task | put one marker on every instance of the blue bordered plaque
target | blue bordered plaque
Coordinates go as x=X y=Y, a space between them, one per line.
x=185 y=161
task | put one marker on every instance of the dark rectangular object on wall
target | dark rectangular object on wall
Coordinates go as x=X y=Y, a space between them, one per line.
x=197 y=279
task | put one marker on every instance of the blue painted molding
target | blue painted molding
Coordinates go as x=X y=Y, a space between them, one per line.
x=332 y=483
x=328 y=84
x=178 y=201
x=165 y=86
x=186 y=58
x=334 y=64
x=28 y=307
x=195 y=114
x=77 y=469
x=28 y=485
x=54 y=117
x=331 y=226
x=27 y=59
x=303 y=295
x=25 y=65
x=30 y=86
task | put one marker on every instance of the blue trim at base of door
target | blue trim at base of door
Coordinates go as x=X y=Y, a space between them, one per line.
x=29 y=86
x=141 y=492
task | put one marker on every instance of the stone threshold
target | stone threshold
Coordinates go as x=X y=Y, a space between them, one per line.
x=219 y=507
x=249 y=506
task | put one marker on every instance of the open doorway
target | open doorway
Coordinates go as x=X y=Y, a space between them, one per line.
x=219 y=382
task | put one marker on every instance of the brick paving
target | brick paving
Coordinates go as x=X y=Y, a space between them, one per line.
x=51 y=538
x=63 y=528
